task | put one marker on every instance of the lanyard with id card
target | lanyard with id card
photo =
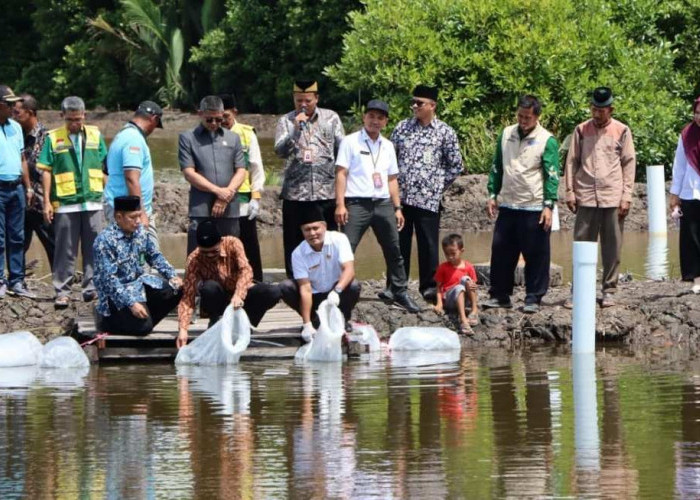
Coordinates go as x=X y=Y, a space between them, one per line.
x=307 y=154
x=376 y=176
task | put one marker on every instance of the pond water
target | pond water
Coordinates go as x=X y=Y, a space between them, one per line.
x=490 y=424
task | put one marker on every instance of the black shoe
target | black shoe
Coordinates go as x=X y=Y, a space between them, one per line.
x=430 y=294
x=348 y=327
x=89 y=295
x=494 y=303
x=404 y=300
x=386 y=294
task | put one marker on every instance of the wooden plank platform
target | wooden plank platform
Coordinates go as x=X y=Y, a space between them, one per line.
x=276 y=337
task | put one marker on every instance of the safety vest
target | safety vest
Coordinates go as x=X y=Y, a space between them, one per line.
x=72 y=182
x=245 y=132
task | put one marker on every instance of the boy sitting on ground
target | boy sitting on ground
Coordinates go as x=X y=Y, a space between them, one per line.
x=456 y=281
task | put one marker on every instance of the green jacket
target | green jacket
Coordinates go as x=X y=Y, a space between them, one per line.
x=74 y=181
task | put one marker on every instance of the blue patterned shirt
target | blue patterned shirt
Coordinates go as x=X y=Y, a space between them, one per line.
x=429 y=161
x=119 y=273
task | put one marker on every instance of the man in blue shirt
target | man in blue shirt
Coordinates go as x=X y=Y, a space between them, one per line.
x=129 y=164
x=130 y=300
x=14 y=178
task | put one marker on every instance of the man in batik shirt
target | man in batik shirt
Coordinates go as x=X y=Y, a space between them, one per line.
x=429 y=161
x=131 y=301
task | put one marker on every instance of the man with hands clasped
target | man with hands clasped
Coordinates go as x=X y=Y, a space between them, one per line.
x=211 y=159
x=367 y=195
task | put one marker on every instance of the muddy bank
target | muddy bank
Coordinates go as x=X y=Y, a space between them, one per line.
x=174 y=122
x=463 y=205
x=647 y=314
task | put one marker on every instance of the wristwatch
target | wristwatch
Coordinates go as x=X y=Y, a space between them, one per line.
x=548 y=203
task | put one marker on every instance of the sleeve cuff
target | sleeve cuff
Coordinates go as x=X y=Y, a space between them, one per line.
x=256 y=195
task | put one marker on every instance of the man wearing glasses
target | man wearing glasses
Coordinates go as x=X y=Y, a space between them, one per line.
x=14 y=179
x=212 y=161
x=429 y=161
x=72 y=162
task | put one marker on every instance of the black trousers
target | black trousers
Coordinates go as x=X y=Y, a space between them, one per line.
x=159 y=302
x=689 y=242
x=249 y=238
x=260 y=298
x=516 y=232
x=226 y=226
x=348 y=299
x=291 y=220
x=34 y=223
x=427 y=228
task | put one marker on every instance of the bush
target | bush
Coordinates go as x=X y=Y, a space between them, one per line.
x=484 y=55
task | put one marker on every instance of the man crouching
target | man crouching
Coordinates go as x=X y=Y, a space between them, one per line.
x=130 y=300
x=323 y=267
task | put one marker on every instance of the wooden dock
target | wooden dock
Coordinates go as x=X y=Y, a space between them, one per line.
x=276 y=337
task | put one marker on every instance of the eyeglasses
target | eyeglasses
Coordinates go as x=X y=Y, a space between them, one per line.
x=214 y=119
x=417 y=103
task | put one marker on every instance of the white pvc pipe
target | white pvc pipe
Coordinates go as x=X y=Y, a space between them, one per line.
x=656 y=199
x=656 y=266
x=585 y=261
x=586 y=442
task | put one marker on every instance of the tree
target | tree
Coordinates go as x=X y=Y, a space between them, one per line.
x=483 y=55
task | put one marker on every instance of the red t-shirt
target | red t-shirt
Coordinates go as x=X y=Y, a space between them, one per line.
x=448 y=276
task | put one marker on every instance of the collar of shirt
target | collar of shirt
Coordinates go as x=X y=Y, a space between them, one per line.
x=308 y=249
x=416 y=124
x=130 y=124
x=364 y=136
x=202 y=130
x=119 y=234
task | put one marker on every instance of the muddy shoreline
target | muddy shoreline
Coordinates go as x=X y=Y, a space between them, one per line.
x=463 y=205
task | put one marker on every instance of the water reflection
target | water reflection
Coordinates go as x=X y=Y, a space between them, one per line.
x=490 y=424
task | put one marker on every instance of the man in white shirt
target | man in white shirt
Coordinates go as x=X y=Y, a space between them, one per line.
x=367 y=194
x=323 y=267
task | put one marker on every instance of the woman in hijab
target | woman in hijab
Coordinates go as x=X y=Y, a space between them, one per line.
x=685 y=197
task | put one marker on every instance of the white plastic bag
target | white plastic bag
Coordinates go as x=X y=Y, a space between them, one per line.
x=19 y=349
x=222 y=344
x=63 y=352
x=326 y=344
x=366 y=335
x=424 y=358
x=413 y=338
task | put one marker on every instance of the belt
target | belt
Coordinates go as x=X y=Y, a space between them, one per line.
x=10 y=184
x=359 y=199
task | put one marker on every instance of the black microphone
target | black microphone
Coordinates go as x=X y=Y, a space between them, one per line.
x=302 y=125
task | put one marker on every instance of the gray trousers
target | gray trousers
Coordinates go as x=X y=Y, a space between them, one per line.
x=152 y=230
x=380 y=216
x=592 y=222
x=69 y=228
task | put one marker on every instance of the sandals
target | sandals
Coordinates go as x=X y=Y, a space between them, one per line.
x=473 y=320
x=61 y=302
x=466 y=330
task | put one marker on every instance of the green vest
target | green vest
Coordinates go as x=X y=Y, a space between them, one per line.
x=72 y=181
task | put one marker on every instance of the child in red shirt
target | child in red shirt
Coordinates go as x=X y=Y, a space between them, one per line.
x=456 y=281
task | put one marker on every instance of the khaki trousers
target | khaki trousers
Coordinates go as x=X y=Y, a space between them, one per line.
x=592 y=222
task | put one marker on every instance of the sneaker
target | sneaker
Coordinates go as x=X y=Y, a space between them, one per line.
x=608 y=300
x=386 y=294
x=696 y=288
x=3 y=289
x=429 y=294
x=531 y=308
x=404 y=300
x=89 y=295
x=494 y=303
x=21 y=290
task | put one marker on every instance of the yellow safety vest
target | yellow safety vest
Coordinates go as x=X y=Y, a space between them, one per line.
x=245 y=132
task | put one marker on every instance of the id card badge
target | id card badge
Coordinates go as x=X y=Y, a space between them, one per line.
x=377 y=179
x=307 y=156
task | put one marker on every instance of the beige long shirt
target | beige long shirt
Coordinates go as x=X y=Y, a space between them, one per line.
x=600 y=166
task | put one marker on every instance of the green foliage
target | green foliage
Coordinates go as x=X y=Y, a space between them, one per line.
x=261 y=47
x=483 y=55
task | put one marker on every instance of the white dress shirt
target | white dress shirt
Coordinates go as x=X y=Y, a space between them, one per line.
x=322 y=269
x=363 y=157
x=685 y=182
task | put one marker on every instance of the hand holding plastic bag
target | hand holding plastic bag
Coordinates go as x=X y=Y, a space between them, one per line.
x=333 y=298
x=326 y=343
x=222 y=344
